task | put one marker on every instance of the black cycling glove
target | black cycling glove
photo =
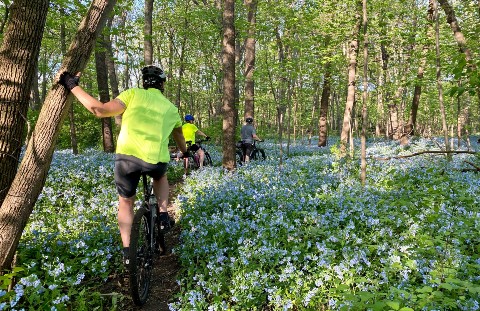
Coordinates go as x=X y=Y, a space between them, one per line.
x=68 y=80
x=207 y=138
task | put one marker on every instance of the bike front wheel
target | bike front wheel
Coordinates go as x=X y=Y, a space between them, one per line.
x=259 y=154
x=141 y=258
x=207 y=161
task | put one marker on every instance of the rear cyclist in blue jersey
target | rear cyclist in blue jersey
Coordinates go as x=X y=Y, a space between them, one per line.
x=142 y=146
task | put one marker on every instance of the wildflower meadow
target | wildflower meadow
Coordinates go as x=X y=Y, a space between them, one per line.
x=303 y=235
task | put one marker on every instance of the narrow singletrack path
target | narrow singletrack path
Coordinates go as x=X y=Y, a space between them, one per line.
x=163 y=285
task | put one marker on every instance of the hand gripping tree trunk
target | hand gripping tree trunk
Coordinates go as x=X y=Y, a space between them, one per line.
x=31 y=175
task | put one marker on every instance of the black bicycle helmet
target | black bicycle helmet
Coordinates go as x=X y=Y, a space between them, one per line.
x=153 y=76
x=249 y=120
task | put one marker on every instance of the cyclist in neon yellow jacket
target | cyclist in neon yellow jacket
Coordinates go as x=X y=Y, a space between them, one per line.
x=190 y=131
x=142 y=146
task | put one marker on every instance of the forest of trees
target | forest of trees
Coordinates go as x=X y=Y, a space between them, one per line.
x=403 y=67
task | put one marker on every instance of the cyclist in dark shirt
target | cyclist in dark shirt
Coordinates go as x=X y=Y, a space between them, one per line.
x=249 y=134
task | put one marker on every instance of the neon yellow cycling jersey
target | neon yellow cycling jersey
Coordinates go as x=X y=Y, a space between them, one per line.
x=189 y=131
x=147 y=123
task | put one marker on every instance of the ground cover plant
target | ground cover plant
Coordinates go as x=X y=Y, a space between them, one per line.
x=303 y=236
x=308 y=236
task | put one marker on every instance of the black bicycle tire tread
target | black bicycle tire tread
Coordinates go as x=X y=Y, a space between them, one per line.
x=208 y=159
x=138 y=298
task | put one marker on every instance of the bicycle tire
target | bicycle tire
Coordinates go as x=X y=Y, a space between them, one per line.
x=192 y=163
x=207 y=160
x=239 y=157
x=140 y=267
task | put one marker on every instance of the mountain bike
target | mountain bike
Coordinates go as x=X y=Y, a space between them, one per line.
x=256 y=153
x=194 y=158
x=145 y=238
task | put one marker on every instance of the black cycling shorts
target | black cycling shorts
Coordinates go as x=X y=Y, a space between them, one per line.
x=128 y=170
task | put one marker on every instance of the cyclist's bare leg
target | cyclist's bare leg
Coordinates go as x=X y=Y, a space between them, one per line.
x=201 y=155
x=161 y=189
x=125 y=218
x=185 y=165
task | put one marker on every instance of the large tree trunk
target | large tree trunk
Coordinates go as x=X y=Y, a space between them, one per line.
x=352 y=70
x=250 y=58
x=147 y=33
x=31 y=175
x=102 y=82
x=228 y=100
x=18 y=61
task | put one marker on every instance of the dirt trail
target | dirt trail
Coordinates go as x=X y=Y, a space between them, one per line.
x=163 y=285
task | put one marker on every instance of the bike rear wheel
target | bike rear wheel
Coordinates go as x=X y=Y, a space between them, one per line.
x=239 y=157
x=141 y=259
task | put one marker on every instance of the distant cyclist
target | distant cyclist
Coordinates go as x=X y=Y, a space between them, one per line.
x=190 y=132
x=249 y=134
x=142 y=146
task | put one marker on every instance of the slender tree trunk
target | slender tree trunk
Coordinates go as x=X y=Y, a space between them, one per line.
x=147 y=33
x=250 y=58
x=281 y=106
x=36 y=102
x=71 y=114
x=228 y=100
x=439 y=77
x=18 y=59
x=181 y=71
x=412 y=121
x=32 y=172
x=102 y=82
x=322 y=121
x=315 y=108
x=363 y=175
x=112 y=73
x=352 y=70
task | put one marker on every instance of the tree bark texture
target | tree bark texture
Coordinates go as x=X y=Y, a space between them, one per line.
x=33 y=169
x=228 y=100
x=18 y=62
